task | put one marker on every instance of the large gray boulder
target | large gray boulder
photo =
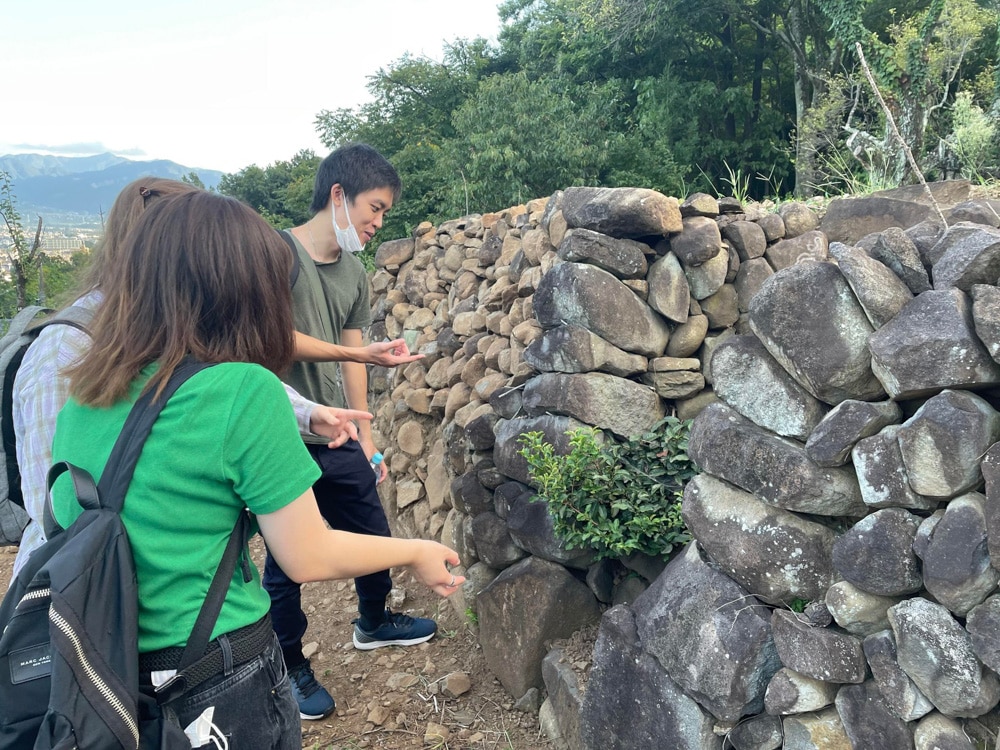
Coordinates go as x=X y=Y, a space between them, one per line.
x=494 y=545
x=938 y=321
x=712 y=637
x=820 y=653
x=881 y=292
x=968 y=254
x=983 y=625
x=882 y=474
x=990 y=467
x=707 y=278
x=900 y=693
x=563 y=687
x=856 y=611
x=812 y=245
x=632 y=702
x=573 y=349
x=956 y=564
x=621 y=212
x=831 y=441
x=986 y=317
x=776 y=470
x=750 y=380
x=868 y=721
x=529 y=603
x=760 y=732
x=897 y=250
x=876 y=554
x=749 y=279
x=791 y=692
x=937 y=654
x=747 y=238
x=699 y=242
x=847 y=220
x=937 y=731
x=507 y=448
x=811 y=322
x=942 y=443
x=584 y=295
x=669 y=291
x=530 y=526
x=819 y=730
x=608 y=402
x=776 y=555
x=626 y=259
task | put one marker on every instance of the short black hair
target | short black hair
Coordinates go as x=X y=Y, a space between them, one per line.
x=357 y=167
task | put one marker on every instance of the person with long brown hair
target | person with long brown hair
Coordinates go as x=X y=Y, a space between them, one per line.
x=41 y=386
x=196 y=279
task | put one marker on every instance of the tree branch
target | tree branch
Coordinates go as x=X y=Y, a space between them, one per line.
x=895 y=131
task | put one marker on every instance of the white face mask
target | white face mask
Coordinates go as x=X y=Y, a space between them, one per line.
x=347 y=238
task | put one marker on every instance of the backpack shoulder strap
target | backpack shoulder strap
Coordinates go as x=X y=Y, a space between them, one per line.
x=23 y=331
x=296 y=262
x=75 y=316
x=121 y=463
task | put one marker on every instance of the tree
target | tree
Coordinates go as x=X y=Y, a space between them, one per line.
x=280 y=192
x=23 y=256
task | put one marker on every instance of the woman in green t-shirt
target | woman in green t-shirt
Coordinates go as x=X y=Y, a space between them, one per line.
x=202 y=275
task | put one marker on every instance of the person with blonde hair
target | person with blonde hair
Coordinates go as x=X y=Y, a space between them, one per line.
x=195 y=280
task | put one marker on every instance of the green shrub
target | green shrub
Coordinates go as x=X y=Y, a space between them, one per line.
x=615 y=497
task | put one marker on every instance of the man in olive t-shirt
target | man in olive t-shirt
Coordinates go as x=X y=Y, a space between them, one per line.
x=354 y=188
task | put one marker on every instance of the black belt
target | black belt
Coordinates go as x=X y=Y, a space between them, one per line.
x=243 y=645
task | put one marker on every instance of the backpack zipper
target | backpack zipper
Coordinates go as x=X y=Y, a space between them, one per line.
x=30 y=596
x=106 y=692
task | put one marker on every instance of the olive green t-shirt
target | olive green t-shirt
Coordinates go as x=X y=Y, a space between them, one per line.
x=326 y=299
x=226 y=440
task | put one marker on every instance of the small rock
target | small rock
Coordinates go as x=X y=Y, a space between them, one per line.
x=435 y=734
x=377 y=716
x=402 y=680
x=456 y=684
x=530 y=702
x=309 y=649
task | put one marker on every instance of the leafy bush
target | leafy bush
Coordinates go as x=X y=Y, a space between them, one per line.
x=974 y=139
x=616 y=497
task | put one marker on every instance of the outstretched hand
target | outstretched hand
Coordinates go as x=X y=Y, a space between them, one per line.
x=391 y=353
x=431 y=568
x=338 y=425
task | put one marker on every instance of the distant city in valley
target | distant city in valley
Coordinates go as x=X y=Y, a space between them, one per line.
x=73 y=194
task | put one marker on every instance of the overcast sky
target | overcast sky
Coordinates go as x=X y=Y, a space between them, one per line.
x=213 y=84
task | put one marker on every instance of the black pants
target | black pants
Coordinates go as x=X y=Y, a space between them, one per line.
x=347 y=499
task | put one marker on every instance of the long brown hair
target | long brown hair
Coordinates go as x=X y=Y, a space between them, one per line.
x=198 y=274
x=134 y=198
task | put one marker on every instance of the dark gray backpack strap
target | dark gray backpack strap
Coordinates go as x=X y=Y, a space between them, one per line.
x=296 y=262
x=121 y=463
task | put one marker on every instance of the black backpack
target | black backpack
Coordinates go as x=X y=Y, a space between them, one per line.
x=22 y=333
x=69 y=661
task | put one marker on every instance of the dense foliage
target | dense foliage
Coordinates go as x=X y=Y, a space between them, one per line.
x=615 y=497
x=764 y=96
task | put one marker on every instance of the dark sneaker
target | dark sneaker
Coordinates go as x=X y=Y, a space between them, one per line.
x=313 y=699
x=397 y=630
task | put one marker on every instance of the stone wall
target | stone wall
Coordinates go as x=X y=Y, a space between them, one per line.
x=844 y=422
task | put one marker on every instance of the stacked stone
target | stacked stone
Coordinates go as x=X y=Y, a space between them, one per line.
x=842 y=588
x=836 y=430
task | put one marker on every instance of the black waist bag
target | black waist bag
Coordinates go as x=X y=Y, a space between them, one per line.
x=69 y=660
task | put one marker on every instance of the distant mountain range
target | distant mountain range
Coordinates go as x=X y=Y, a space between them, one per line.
x=84 y=184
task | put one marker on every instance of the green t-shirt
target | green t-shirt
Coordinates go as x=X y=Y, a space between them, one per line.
x=226 y=440
x=327 y=298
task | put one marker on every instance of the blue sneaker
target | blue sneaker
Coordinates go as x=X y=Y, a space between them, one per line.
x=397 y=630
x=313 y=699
